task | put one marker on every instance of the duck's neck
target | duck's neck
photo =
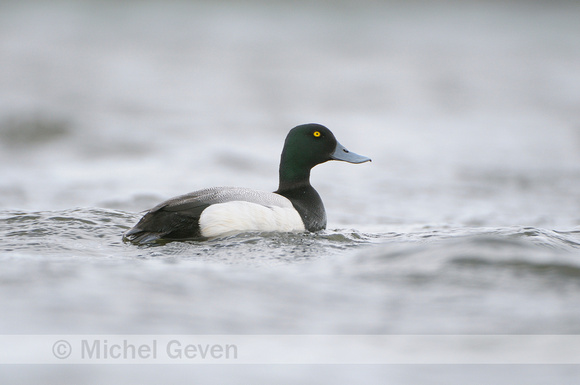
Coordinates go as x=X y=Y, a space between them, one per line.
x=290 y=180
x=294 y=172
x=295 y=185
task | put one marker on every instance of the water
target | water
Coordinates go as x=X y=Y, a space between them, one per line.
x=466 y=222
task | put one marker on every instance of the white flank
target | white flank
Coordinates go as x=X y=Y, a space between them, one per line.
x=239 y=216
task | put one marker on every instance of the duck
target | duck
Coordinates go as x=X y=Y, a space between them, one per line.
x=221 y=211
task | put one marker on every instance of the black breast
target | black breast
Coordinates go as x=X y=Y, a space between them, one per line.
x=307 y=202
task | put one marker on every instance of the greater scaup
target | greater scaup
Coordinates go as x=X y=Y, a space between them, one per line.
x=213 y=212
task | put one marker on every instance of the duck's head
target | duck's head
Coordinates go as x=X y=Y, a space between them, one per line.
x=308 y=145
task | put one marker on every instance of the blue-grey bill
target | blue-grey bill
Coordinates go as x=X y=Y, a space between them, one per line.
x=341 y=153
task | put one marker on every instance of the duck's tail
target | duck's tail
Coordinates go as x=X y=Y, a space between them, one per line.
x=141 y=237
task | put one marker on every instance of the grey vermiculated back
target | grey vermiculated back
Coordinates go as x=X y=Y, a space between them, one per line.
x=217 y=195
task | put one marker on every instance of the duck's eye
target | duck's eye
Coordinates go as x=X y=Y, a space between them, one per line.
x=317 y=134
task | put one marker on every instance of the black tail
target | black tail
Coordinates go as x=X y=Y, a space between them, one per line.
x=141 y=237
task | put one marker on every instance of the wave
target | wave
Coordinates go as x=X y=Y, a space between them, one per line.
x=516 y=250
x=73 y=232
x=96 y=232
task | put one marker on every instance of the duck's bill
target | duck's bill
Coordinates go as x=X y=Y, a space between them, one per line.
x=341 y=153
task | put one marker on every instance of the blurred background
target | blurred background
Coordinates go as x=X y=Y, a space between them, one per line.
x=120 y=103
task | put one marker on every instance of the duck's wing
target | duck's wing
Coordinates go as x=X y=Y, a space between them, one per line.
x=178 y=218
x=215 y=195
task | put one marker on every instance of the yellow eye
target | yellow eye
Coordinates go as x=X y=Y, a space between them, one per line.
x=316 y=134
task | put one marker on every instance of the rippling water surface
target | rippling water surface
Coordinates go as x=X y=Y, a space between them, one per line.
x=466 y=222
